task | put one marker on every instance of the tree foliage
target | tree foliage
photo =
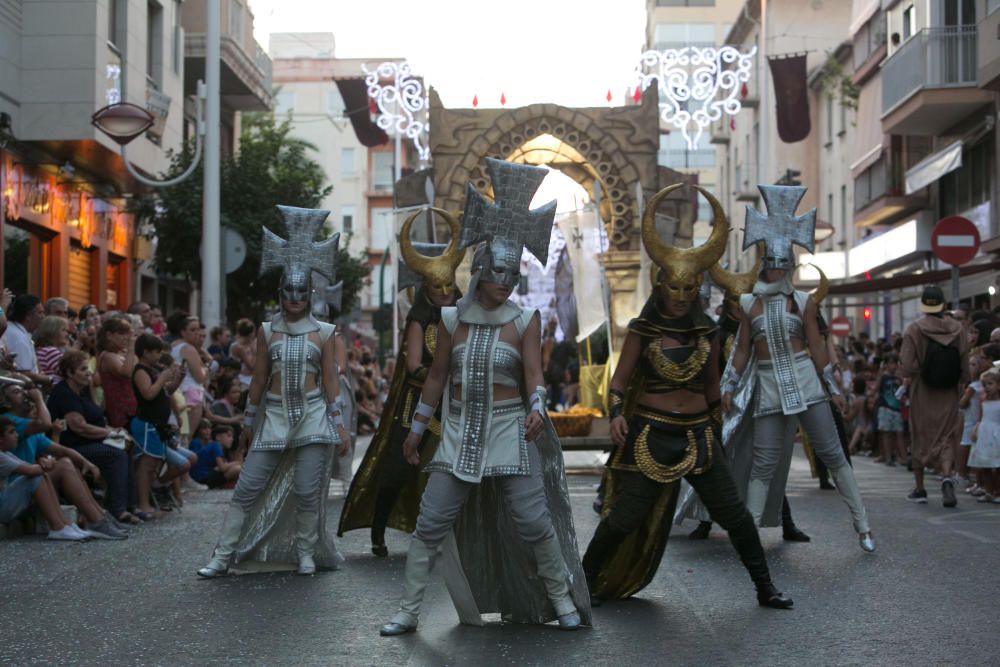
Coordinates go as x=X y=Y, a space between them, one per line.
x=271 y=167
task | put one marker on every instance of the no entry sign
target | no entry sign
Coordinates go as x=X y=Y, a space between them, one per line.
x=840 y=326
x=955 y=240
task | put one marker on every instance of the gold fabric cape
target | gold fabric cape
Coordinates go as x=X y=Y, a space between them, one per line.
x=359 y=506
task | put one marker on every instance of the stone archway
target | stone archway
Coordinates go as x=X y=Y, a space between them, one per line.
x=619 y=146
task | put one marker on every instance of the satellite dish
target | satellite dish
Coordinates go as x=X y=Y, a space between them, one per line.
x=234 y=250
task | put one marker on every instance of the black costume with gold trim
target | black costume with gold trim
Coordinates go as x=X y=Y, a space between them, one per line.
x=385 y=483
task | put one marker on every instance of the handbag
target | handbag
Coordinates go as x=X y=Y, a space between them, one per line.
x=116 y=439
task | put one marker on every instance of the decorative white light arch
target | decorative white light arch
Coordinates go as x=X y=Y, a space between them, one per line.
x=401 y=103
x=705 y=79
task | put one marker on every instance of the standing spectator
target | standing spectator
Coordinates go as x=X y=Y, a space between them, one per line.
x=115 y=361
x=985 y=455
x=26 y=314
x=244 y=350
x=156 y=324
x=971 y=405
x=91 y=317
x=889 y=416
x=184 y=350
x=51 y=338
x=934 y=359
x=57 y=307
x=151 y=425
x=87 y=431
x=220 y=339
x=16 y=496
x=144 y=311
x=6 y=297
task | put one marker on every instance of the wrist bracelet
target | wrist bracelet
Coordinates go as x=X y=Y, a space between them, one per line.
x=336 y=417
x=830 y=380
x=538 y=399
x=616 y=403
x=248 y=414
x=418 y=427
x=424 y=410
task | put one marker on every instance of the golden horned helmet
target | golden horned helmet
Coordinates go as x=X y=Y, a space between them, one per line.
x=438 y=272
x=682 y=268
x=735 y=284
x=818 y=294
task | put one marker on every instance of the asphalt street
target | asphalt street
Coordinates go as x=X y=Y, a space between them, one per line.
x=928 y=596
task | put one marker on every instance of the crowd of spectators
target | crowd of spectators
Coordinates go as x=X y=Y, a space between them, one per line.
x=879 y=411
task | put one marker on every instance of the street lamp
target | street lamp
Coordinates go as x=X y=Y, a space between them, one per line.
x=123 y=122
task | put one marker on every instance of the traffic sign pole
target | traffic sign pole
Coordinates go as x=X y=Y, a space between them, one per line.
x=955 y=290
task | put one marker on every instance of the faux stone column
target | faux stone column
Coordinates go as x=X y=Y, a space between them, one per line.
x=621 y=268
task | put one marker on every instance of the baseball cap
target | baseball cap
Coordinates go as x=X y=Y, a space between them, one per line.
x=932 y=300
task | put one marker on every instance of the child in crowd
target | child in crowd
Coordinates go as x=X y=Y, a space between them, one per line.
x=985 y=454
x=971 y=405
x=32 y=487
x=211 y=444
x=889 y=418
x=863 y=435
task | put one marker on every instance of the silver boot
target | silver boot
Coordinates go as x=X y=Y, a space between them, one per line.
x=552 y=571
x=757 y=492
x=232 y=525
x=419 y=563
x=306 y=536
x=847 y=486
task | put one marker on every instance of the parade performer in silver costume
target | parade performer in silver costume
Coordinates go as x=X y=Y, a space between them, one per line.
x=777 y=371
x=292 y=435
x=496 y=497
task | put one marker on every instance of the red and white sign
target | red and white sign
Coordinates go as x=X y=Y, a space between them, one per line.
x=840 y=326
x=955 y=240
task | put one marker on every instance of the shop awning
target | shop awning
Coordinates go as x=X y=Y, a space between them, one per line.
x=933 y=167
x=909 y=279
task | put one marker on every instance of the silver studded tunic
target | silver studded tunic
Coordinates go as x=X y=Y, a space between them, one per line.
x=294 y=417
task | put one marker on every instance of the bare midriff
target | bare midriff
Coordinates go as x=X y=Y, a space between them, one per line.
x=680 y=400
x=501 y=392
x=508 y=335
x=309 y=385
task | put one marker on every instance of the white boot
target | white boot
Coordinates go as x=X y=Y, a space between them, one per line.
x=306 y=536
x=419 y=563
x=847 y=487
x=757 y=499
x=232 y=525
x=552 y=572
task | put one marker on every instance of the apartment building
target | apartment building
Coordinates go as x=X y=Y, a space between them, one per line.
x=66 y=229
x=361 y=204
x=677 y=24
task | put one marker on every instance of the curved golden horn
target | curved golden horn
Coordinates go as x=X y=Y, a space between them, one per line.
x=818 y=294
x=704 y=255
x=735 y=283
x=423 y=264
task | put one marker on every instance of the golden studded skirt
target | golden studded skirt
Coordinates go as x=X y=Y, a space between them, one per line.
x=665 y=446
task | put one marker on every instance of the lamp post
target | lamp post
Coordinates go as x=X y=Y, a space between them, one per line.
x=123 y=122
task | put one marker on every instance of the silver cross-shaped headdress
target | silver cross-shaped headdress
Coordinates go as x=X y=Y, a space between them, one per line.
x=301 y=253
x=507 y=224
x=780 y=228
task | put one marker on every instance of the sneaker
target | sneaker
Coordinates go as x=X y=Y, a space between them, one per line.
x=985 y=498
x=917 y=496
x=104 y=530
x=68 y=533
x=189 y=484
x=948 y=493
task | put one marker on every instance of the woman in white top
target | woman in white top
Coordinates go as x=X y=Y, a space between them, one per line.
x=185 y=351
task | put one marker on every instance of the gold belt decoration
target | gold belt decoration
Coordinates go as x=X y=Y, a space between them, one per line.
x=670 y=420
x=431 y=337
x=685 y=371
x=656 y=471
x=709 y=442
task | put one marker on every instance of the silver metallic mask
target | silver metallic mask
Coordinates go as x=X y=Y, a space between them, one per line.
x=301 y=254
x=780 y=228
x=507 y=225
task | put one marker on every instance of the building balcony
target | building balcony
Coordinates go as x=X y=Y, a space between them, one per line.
x=880 y=196
x=246 y=70
x=931 y=82
x=989 y=52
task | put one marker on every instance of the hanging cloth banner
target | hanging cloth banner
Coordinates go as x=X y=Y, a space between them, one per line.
x=565 y=298
x=791 y=96
x=583 y=243
x=355 y=94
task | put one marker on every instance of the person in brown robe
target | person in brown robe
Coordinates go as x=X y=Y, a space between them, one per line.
x=935 y=420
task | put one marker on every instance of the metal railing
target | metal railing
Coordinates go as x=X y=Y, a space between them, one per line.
x=933 y=58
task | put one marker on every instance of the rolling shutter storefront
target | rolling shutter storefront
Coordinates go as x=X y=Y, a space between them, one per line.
x=79 y=277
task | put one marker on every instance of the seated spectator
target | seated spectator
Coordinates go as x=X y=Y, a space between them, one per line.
x=218 y=347
x=211 y=444
x=63 y=465
x=244 y=350
x=51 y=339
x=225 y=411
x=367 y=417
x=26 y=313
x=150 y=426
x=31 y=487
x=87 y=432
x=115 y=361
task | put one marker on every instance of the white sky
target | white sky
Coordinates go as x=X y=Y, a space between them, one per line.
x=568 y=52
